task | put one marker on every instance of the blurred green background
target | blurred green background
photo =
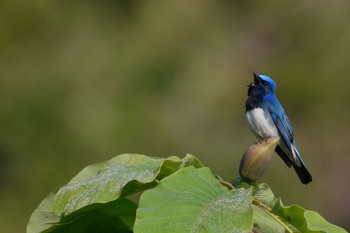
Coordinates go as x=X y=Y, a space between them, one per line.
x=83 y=81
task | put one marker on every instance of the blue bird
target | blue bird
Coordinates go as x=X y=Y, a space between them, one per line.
x=266 y=118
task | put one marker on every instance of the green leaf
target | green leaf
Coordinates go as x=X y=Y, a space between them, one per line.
x=264 y=222
x=105 y=182
x=271 y=216
x=117 y=216
x=305 y=220
x=317 y=223
x=264 y=219
x=263 y=193
x=43 y=217
x=192 y=200
x=93 y=196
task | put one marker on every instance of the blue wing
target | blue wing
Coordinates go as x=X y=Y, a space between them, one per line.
x=280 y=119
x=284 y=127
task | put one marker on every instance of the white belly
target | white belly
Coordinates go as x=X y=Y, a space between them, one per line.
x=261 y=124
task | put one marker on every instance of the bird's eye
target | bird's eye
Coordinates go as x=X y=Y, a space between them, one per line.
x=266 y=83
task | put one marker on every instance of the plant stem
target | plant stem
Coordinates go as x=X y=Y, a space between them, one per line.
x=226 y=184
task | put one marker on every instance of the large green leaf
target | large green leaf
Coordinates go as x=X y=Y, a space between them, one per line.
x=264 y=219
x=43 y=217
x=105 y=182
x=117 y=216
x=271 y=216
x=307 y=221
x=264 y=222
x=192 y=200
x=92 y=200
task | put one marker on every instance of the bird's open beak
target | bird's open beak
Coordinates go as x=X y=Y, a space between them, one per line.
x=257 y=81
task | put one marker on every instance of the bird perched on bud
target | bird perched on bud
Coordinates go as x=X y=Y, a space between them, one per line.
x=266 y=118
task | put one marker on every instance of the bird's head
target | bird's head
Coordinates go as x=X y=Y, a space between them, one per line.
x=263 y=82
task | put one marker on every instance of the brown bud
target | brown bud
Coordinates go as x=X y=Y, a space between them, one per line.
x=257 y=158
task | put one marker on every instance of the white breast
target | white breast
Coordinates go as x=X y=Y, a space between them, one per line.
x=261 y=124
